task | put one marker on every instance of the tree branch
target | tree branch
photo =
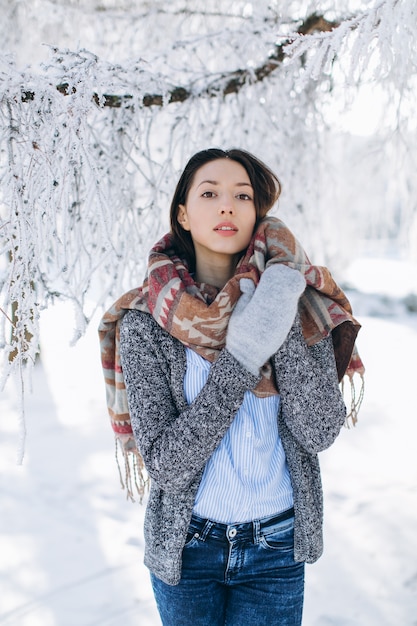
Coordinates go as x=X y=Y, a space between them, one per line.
x=226 y=84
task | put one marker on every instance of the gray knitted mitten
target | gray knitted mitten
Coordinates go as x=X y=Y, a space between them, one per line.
x=262 y=317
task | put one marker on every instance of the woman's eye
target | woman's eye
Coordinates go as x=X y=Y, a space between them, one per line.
x=208 y=194
x=244 y=196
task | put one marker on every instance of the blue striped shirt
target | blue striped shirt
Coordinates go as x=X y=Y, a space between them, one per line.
x=246 y=478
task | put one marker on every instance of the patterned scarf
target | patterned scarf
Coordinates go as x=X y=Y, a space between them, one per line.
x=197 y=314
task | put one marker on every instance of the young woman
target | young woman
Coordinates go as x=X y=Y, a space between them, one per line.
x=230 y=355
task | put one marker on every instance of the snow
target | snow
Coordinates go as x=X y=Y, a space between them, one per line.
x=71 y=546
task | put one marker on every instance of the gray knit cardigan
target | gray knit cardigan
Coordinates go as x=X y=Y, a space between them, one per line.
x=176 y=439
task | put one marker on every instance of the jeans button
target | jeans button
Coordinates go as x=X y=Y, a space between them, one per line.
x=232 y=533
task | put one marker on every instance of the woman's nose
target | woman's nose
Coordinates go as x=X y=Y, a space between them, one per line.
x=226 y=208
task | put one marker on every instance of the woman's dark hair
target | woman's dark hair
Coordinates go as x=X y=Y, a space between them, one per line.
x=265 y=184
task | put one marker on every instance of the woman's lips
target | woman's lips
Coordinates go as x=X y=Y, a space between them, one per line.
x=226 y=229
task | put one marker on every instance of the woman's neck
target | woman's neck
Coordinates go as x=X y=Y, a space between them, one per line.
x=217 y=274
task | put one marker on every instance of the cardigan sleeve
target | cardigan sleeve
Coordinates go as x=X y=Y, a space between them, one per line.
x=312 y=404
x=174 y=438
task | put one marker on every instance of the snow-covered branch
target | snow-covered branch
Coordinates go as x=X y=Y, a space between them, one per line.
x=367 y=38
x=218 y=86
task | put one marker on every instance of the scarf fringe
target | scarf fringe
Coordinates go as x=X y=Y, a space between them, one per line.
x=356 y=398
x=134 y=479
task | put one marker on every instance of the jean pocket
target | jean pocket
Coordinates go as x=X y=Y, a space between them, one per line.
x=190 y=541
x=280 y=537
x=193 y=536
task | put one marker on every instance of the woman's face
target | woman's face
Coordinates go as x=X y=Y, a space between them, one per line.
x=219 y=211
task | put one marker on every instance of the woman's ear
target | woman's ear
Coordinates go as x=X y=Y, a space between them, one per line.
x=182 y=217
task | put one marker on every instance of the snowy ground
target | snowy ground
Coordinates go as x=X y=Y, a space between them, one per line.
x=71 y=546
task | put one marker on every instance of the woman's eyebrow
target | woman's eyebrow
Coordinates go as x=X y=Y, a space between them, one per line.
x=215 y=182
x=210 y=182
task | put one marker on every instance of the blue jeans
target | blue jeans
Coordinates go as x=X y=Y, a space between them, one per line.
x=236 y=575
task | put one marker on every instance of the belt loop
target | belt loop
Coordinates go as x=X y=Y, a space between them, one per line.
x=256 y=531
x=206 y=529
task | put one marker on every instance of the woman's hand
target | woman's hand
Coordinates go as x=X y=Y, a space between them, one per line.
x=263 y=316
